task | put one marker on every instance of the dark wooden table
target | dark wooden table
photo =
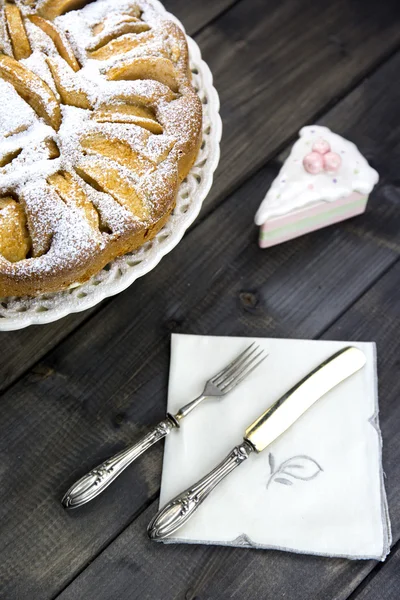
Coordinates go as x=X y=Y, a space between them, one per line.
x=80 y=389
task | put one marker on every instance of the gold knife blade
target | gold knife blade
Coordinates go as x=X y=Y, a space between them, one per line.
x=281 y=415
x=260 y=434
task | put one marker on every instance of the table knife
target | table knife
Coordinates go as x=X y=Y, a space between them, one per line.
x=259 y=435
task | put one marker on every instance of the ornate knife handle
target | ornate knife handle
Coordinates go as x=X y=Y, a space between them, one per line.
x=182 y=507
x=94 y=483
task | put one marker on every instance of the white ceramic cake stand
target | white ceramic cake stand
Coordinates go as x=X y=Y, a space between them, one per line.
x=16 y=313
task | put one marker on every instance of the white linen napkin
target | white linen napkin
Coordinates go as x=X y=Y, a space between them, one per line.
x=318 y=489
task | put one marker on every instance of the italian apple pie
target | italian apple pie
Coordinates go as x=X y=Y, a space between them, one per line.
x=99 y=124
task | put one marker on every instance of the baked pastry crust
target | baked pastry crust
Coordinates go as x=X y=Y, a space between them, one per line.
x=104 y=126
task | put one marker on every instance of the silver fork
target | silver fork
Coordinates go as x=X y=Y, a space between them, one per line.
x=96 y=481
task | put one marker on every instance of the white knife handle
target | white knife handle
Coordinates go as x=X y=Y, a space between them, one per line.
x=182 y=507
x=96 y=481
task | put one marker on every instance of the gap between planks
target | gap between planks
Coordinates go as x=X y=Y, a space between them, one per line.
x=361 y=591
x=198 y=16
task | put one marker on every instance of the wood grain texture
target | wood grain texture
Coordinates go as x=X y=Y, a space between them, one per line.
x=196 y=15
x=276 y=65
x=26 y=346
x=377 y=317
x=107 y=382
x=385 y=585
x=291 y=60
x=219 y=573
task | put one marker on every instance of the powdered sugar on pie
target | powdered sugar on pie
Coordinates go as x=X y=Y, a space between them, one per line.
x=103 y=126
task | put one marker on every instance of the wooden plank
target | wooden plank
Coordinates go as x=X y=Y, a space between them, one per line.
x=377 y=317
x=26 y=346
x=107 y=382
x=197 y=15
x=125 y=568
x=289 y=65
x=383 y=583
x=260 y=53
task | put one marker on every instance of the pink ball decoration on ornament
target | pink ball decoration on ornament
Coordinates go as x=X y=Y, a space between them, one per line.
x=313 y=163
x=332 y=162
x=321 y=146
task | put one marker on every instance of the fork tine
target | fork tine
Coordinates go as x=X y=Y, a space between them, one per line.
x=232 y=370
x=236 y=382
x=239 y=368
x=242 y=369
x=232 y=364
x=229 y=369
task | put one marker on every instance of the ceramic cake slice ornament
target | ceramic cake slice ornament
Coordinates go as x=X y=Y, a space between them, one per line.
x=324 y=180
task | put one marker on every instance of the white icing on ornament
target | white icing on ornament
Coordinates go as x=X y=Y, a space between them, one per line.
x=344 y=171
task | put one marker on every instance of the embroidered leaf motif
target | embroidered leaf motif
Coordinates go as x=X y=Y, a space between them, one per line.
x=283 y=480
x=271 y=461
x=300 y=467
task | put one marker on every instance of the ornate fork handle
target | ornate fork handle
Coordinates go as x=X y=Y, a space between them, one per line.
x=182 y=507
x=94 y=483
